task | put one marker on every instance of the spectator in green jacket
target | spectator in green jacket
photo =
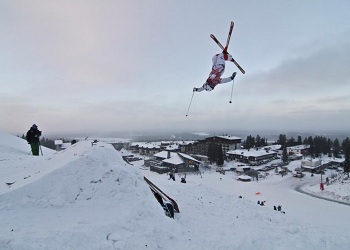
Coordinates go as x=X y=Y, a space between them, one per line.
x=33 y=136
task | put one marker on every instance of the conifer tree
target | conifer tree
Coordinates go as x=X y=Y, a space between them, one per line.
x=346 y=150
x=336 y=148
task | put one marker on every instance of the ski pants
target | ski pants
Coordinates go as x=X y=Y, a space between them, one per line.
x=35 y=148
x=215 y=78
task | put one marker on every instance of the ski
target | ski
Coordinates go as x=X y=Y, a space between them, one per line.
x=225 y=48
x=238 y=66
x=217 y=41
x=229 y=35
x=153 y=187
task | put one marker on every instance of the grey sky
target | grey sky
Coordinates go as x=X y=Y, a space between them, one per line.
x=86 y=66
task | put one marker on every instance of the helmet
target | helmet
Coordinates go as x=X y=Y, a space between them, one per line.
x=34 y=126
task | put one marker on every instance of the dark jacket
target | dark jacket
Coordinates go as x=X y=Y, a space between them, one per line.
x=33 y=135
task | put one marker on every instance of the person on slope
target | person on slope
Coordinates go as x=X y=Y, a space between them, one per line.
x=216 y=72
x=32 y=137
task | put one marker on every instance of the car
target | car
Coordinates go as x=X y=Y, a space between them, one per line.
x=299 y=175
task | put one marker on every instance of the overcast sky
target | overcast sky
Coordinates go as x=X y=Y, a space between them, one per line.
x=125 y=65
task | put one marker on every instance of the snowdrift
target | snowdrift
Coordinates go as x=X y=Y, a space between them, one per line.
x=87 y=197
x=94 y=200
x=12 y=145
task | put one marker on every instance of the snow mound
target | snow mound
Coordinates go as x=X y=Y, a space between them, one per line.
x=87 y=174
x=13 y=145
x=95 y=193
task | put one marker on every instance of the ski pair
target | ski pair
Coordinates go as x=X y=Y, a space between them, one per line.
x=226 y=47
x=163 y=195
x=167 y=206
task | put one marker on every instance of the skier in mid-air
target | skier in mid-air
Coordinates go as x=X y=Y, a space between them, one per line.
x=216 y=72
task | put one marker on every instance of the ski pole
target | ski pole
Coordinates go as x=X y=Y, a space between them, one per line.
x=190 y=104
x=40 y=149
x=233 y=82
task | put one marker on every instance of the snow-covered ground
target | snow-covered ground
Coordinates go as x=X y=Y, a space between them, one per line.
x=87 y=197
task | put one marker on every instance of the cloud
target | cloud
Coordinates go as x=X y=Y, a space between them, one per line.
x=321 y=71
x=80 y=42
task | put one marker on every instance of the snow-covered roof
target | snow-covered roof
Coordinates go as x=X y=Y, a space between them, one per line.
x=146 y=144
x=251 y=152
x=188 y=157
x=299 y=147
x=175 y=159
x=172 y=147
x=58 y=142
x=330 y=159
x=273 y=147
x=186 y=142
x=310 y=160
x=164 y=154
x=310 y=167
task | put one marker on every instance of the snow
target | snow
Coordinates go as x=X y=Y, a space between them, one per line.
x=175 y=159
x=188 y=157
x=244 y=177
x=164 y=154
x=87 y=197
x=248 y=153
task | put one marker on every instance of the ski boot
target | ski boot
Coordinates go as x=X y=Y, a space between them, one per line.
x=233 y=75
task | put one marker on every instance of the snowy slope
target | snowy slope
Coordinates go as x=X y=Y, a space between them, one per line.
x=87 y=197
x=92 y=200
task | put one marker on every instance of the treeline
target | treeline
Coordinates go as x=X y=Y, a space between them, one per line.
x=254 y=142
x=215 y=154
x=318 y=144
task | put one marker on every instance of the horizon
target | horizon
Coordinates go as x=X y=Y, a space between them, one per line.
x=190 y=135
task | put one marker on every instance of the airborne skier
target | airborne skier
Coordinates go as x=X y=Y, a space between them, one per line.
x=217 y=71
x=218 y=68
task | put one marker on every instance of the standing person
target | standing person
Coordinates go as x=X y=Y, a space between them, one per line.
x=33 y=135
x=217 y=71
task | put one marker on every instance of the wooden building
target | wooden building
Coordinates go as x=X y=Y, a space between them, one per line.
x=201 y=147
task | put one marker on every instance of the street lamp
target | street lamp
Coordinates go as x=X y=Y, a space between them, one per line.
x=321 y=184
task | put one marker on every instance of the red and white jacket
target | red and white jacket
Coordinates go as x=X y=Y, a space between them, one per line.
x=218 y=60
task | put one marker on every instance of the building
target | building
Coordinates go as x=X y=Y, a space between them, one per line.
x=151 y=148
x=298 y=150
x=166 y=161
x=311 y=165
x=60 y=145
x=145 y=148
x=251 y=156
x=201 y=147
